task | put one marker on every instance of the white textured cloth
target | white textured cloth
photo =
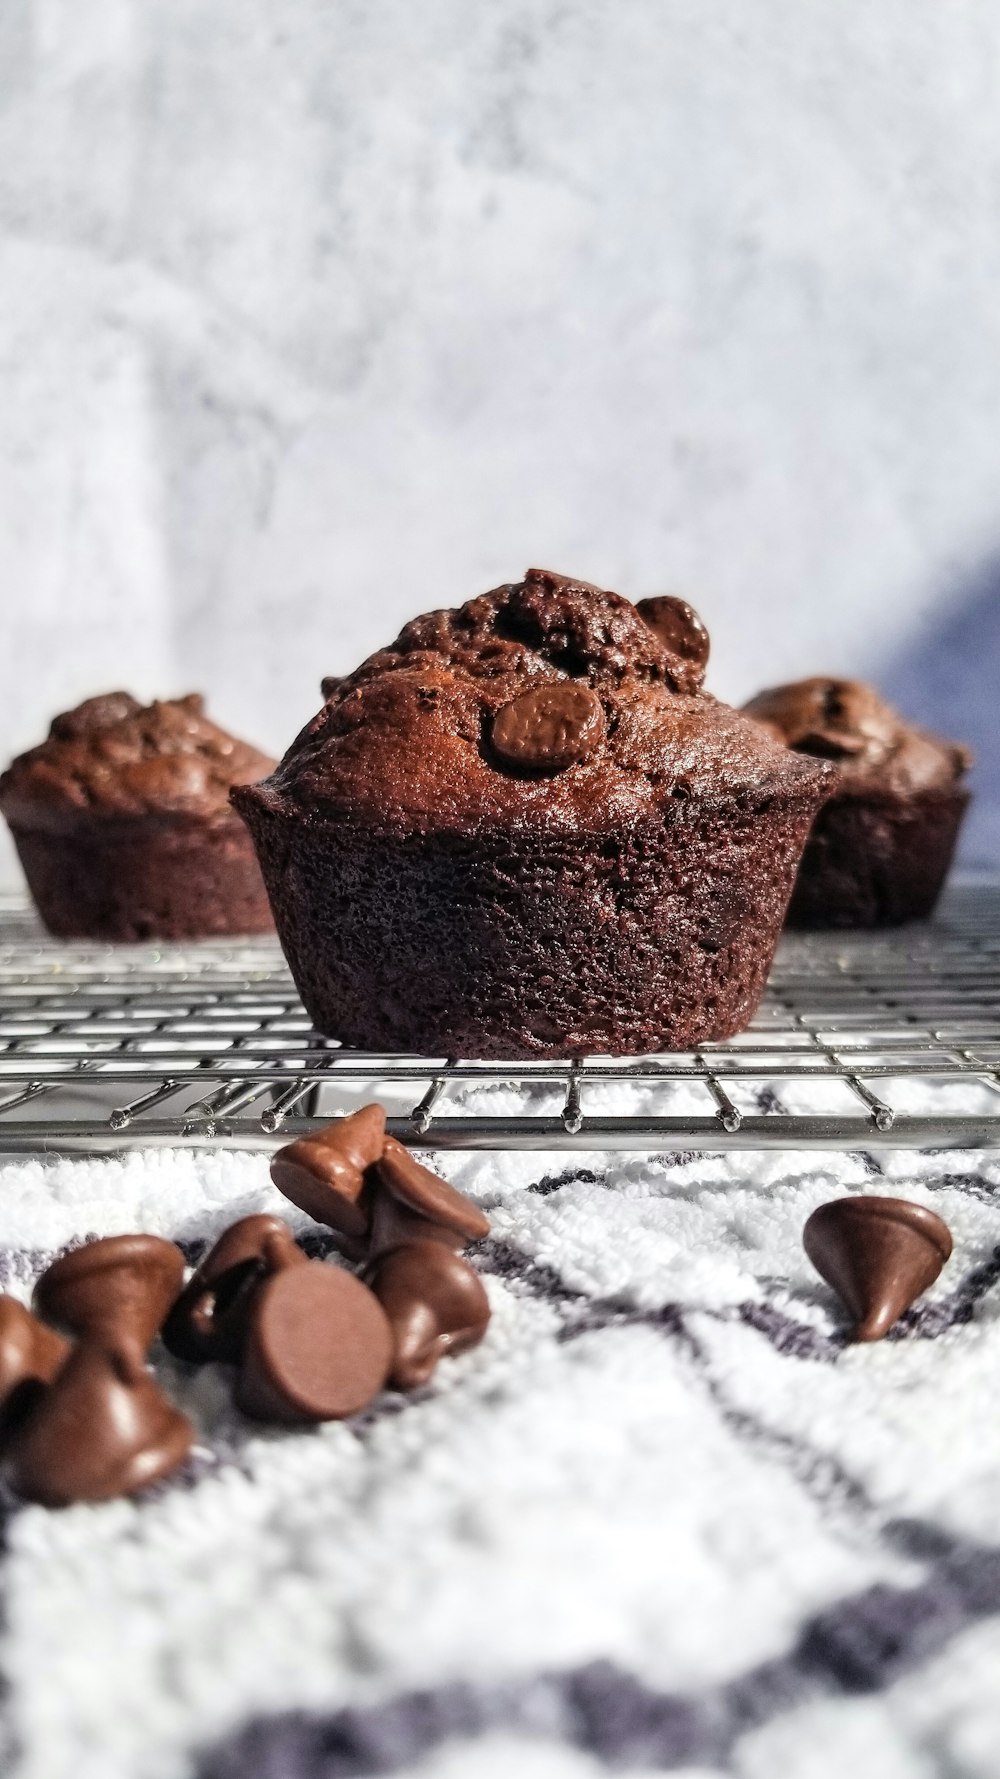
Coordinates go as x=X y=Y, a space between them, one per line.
x=662 y=1519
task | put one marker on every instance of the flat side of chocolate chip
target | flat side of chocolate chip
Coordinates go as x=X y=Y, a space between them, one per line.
x=318 y=1347
x=879 y=1254
x=102 y=1428
x=426 y=1193
x=115 y=1291
x=436 y=1306
x=324 y=1172
x=208 y=1320
x=324 y=1184
x=681 y=632
x=550 y=727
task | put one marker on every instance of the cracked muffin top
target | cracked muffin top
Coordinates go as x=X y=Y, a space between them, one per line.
x=547 y=702
x=874 y=747
x=115 y=756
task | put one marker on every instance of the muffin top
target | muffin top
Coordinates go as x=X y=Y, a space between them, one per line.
x=548 y=703
x=115 y=756
x=875 y=748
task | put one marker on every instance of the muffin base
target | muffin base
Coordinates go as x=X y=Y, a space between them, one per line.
x=135 y=878
x=519 y=945
x=877 y=861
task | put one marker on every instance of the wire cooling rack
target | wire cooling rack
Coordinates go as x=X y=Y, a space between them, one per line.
x=862 y=1040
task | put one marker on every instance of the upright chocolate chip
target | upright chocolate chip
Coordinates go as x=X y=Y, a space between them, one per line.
x=115 y=1291
x=416 y=1205
x=318 y=1346
x=323 y=1173
x=435 y=1303
x=30 y=1356
x=551 y=726
x=680 y=630
x=102 y=1428
x=209 y=1319
x=878 y=1254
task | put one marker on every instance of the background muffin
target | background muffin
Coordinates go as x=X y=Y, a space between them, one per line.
x=122 y=823
x=524 y=829
x=881 y=846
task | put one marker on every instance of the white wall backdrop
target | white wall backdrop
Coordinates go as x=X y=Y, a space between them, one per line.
x=317 y=312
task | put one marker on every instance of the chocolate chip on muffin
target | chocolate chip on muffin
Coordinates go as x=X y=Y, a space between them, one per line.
x=549 y=728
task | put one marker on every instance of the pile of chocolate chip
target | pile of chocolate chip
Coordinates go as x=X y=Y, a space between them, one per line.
x=83 y=1419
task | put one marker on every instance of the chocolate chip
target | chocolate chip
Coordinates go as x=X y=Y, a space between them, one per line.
x=209 y=1319
x=550 y=727
x=878 y=1254
x=115 y=1291
x=680 y=630
x=102 y=1428
x=418 y=1205
x=318 y=1346
x=324 y=1173
x=370 y=1191
x=435 y=1303
x=30 y=1356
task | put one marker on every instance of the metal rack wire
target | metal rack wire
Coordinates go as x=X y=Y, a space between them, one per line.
x=862 y=1040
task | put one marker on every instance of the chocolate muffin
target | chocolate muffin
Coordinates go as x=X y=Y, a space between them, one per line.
x=880 y=849
x=524 y=830
x=122 y=823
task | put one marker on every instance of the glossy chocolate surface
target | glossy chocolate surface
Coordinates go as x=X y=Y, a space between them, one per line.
x=436 y=1306
x=415 y=1203
x=369 y=1189
x=549 y=728
x=102 y=1428
x=681 y=631
x=116 y=1291
x=879 y=1254
x=324 y=1173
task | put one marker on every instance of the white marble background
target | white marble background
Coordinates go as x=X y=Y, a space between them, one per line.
x=316 y=312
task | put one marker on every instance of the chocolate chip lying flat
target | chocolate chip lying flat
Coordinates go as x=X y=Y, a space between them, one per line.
x=102 y=1428
x=318 y=1346
x=549 y=727
x=435 y=1303
x=681 y=632
x=30 y=1356
x=324 y=1173
x=878 y=1254
x=208 y=1320
x=115 y=1291
x=415 y=1205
